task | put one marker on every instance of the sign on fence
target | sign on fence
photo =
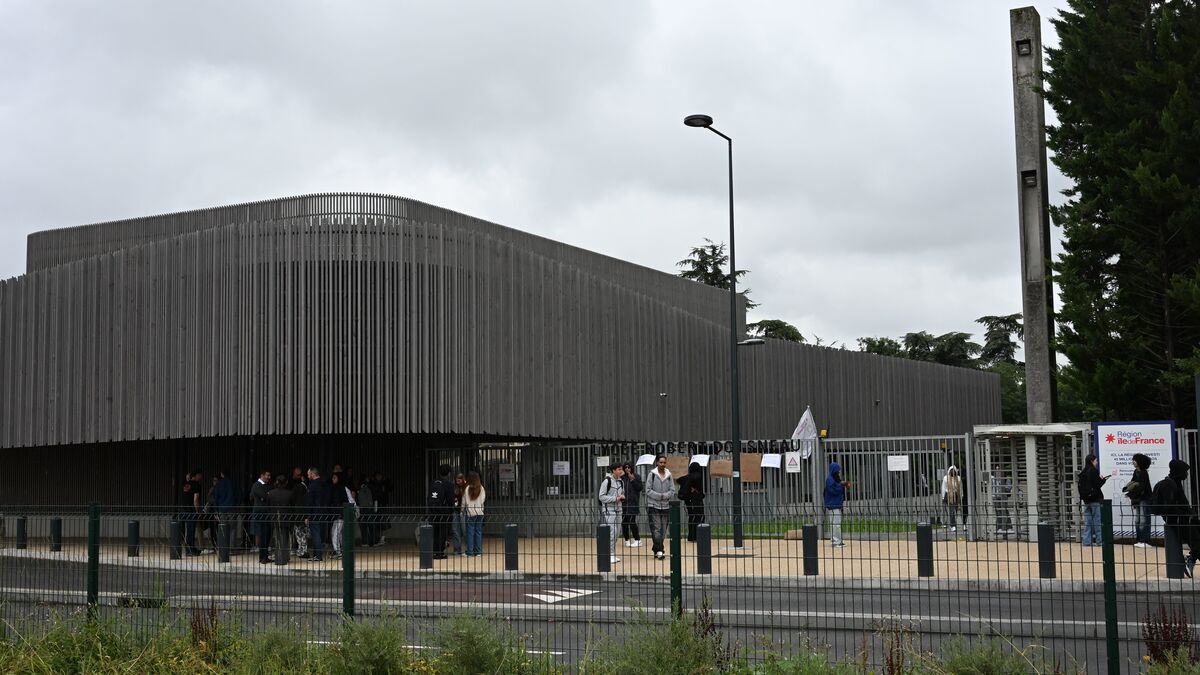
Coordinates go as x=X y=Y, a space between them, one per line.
x=897 y=462
x=792 y=462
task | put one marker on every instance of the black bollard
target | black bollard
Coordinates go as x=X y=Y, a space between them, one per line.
x=1176 y=568
x=223 y=535
x=603 y=550
x=135 y=538
x=924 y=550
x=22 y=533
x=1047 y=566
x=283 y=549
x=703 y=549
x=510 y=547
x=425 y=539
x=175 y=539
x=56 y=534
x=810 y=551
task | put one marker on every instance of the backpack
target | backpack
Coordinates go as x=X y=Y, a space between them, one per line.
x=1157 y=500
x=1081 y=486
x=607 y=487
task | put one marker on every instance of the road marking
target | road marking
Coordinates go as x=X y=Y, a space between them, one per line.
x=552 y=597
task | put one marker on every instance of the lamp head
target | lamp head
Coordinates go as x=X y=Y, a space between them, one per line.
x=698 y=121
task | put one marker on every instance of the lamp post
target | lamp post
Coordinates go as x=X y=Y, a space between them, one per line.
x=706 y=122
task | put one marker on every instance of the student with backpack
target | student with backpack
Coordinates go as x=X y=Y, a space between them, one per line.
x=612 y=493
x=1091 y=485
x=1169 y=500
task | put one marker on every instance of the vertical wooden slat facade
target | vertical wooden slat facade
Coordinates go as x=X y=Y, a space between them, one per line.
x=378 y=315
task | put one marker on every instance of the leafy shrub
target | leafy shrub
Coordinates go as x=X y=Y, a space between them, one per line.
x=688 y=645
x=467 y=644
x=1178 y=662
x=372 y=646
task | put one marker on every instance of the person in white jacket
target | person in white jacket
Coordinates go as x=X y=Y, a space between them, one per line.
x=952 y=495
x=611 y=495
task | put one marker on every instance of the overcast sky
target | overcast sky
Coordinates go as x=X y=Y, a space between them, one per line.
x=873 y=141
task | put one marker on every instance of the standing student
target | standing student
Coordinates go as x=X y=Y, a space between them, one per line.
x=952 y=495
x=192 y=508
x=1170 y=501
x=1138 y=491
x=659 y=488
x=473 y=498
x=279 y=500
x=458 y=517
x=260 y=516
x=691 y=493
x=317 y=504
x=611 y=495
x=439 y=504
x=630 y=510
x=1091 y=484
x=835 y=497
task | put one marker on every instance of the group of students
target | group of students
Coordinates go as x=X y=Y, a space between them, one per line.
x=620 y=497
x=302 y=513
x=455 y=511
x=1167 y=499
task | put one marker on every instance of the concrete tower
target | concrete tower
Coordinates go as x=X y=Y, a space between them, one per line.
x=1033 y=200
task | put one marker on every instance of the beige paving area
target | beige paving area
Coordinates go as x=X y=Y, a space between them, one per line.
x=863 y=559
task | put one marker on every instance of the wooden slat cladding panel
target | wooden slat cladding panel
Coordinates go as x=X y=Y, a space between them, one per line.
x=306 y=318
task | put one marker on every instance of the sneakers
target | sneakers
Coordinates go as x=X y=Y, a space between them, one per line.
x=660 y=555
x=1189 y=566
x=636 y=543
x=627 y=544
x=841 y=544
x=1142 y=544
x=954 y=529
x=614 y=559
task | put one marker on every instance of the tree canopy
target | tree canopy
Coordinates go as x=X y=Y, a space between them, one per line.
x=1125 y=84
x=775 y=329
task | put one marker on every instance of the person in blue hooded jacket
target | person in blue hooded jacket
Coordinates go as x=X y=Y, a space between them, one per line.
x=835 y=496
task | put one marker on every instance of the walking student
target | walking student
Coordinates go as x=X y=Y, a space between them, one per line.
x=612 y=494
x=631 y=509
x=1091 y=485
x=473 y=498
x=952 y=496
x=659 y=488
x=835 y=497
x=691 y=493
x=1170 y=501
x=1138 y=491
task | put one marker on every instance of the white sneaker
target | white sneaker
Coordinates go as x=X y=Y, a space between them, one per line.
x=659 y=555
x=627 y=544
x=1142 y=544
x=614 y=559
x=637 y=543
x=954 y=529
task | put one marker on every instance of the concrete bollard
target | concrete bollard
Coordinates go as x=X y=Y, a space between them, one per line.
x=703 y=549
x=1047 y=565
x=223 y=535
x=135 y=537
x=1176 y=568
x=603 y=549
x=425 y=544
x=925 y=567
x=809 y=541
x=175 y=540
x=510 y=547
x=22 y=532
x=56 y=534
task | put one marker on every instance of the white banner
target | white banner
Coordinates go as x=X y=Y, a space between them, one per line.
x=806 y=431
x=1116 y=444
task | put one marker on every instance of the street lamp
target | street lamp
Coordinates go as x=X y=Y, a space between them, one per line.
x=705 y=122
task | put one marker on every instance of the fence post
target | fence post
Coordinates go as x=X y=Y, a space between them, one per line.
x=510 y=547
x=925 y=566
x=603 y=549
x=93 y=559
x=810 y=540
x=425 y=543
x=703 y=549
x=1110 y=589
x=1047 y=565
x=676 y=560
x=349 y=528
x=22 y=532
x=175 y=539
x=135 y=538
x=56 y=534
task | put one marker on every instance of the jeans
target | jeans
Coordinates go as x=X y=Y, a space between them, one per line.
x=1091 y=524
x=263 y=532
x=658 y=526
x=835 y=526
x=952 y=515
x=461 y=539
x=318 y=543
x=338 y=526
x=474 y=531
x=1141 y=522
x=189 y=532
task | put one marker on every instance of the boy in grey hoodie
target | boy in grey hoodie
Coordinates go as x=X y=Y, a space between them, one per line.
x=611 y=494
x=659 y=487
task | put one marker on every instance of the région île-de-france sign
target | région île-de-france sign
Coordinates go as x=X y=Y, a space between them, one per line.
x=1118 y=442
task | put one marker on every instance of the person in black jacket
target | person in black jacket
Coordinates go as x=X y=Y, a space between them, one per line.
x=317 y=504
x=279 y=500
x=691 y=493
x=260 y=516
x=1091 y=484
x=1170 y=501
x=631 y=507
x=1138 y=491
x=439 y=507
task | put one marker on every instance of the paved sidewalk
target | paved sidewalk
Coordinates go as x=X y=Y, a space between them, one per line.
x=864 y=559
